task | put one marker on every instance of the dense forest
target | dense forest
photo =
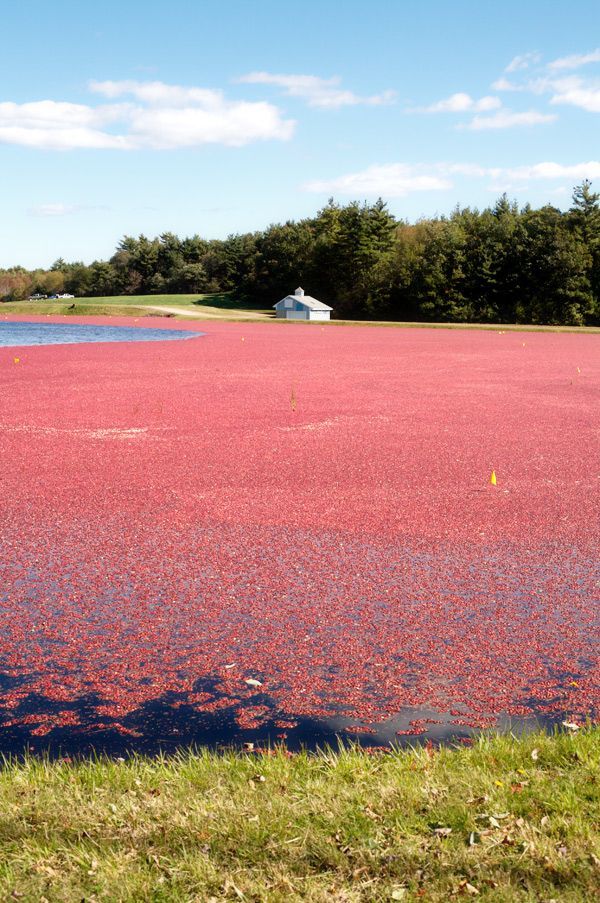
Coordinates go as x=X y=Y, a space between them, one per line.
x=504 y=264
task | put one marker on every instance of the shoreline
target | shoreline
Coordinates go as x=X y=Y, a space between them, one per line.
x=191 y=317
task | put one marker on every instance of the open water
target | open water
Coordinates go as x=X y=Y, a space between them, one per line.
x=26 y=334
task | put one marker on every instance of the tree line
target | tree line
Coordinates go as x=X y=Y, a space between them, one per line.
x=503 y=264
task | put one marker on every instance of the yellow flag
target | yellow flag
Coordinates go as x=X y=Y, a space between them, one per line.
x=493 y=478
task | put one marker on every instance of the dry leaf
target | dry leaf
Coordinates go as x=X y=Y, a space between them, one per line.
x=535 y=754
x=252 y=682
x=478 y=799
x=358 y=872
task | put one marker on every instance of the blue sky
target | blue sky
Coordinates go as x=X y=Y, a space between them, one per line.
x=217 y=117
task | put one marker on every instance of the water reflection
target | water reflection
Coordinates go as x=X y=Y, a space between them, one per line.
x=29 y=334
x=169 y=724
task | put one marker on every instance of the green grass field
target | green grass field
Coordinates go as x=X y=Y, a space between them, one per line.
x=222 y=306
x=506 y=820
x=214 y=306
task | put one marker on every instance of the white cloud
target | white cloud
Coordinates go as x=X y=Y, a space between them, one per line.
x=550 y=171
x=400 y=179
x=174 y=116
x=160 y=94
x=575 y=61
x=577 y=93
x=60 y=209
x=394 y=180
x=317 y=92
x=523 y=61
x=553 y=79
x=232 y=124
x=505 y=119
x=57 y=126
x=54 y=114
x=53 y=210
x=461 y=103
x=498 y=116
x=463 y=169
x=162 y=117
x=503 y=84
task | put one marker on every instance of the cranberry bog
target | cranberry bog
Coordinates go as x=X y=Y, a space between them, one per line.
x=289 y=533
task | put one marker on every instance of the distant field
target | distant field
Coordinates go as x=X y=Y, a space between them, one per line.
x=222 y=306
x=218 y=305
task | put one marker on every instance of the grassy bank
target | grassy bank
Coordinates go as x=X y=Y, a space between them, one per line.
x=214 y=306
x=222 y=306
x=505 y=820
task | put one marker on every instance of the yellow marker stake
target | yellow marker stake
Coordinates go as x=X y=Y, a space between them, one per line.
x=17 y=359
x=493 y=478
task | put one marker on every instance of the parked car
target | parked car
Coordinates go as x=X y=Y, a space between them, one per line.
x=37 y=297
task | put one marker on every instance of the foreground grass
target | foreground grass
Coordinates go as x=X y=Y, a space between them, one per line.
x=505 y=820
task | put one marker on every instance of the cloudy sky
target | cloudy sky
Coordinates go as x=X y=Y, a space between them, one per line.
x=218 y=117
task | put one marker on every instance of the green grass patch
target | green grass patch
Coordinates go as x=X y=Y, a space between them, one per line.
x=218 y=305
x=222 y=305
x=509 y=819
x=490 y=327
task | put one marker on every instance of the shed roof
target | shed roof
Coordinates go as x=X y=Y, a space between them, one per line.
x=306 y=301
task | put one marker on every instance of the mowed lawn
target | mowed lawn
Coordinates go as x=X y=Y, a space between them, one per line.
x=224 y=306
x=507 y=820
x=219 y=305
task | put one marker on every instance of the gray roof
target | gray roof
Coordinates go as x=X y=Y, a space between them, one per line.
x=307 y=301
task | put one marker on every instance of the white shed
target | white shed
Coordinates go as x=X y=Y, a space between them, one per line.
x=301 y=307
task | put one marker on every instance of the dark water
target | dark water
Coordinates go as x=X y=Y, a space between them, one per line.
x=26 y=334
x=168 y=724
